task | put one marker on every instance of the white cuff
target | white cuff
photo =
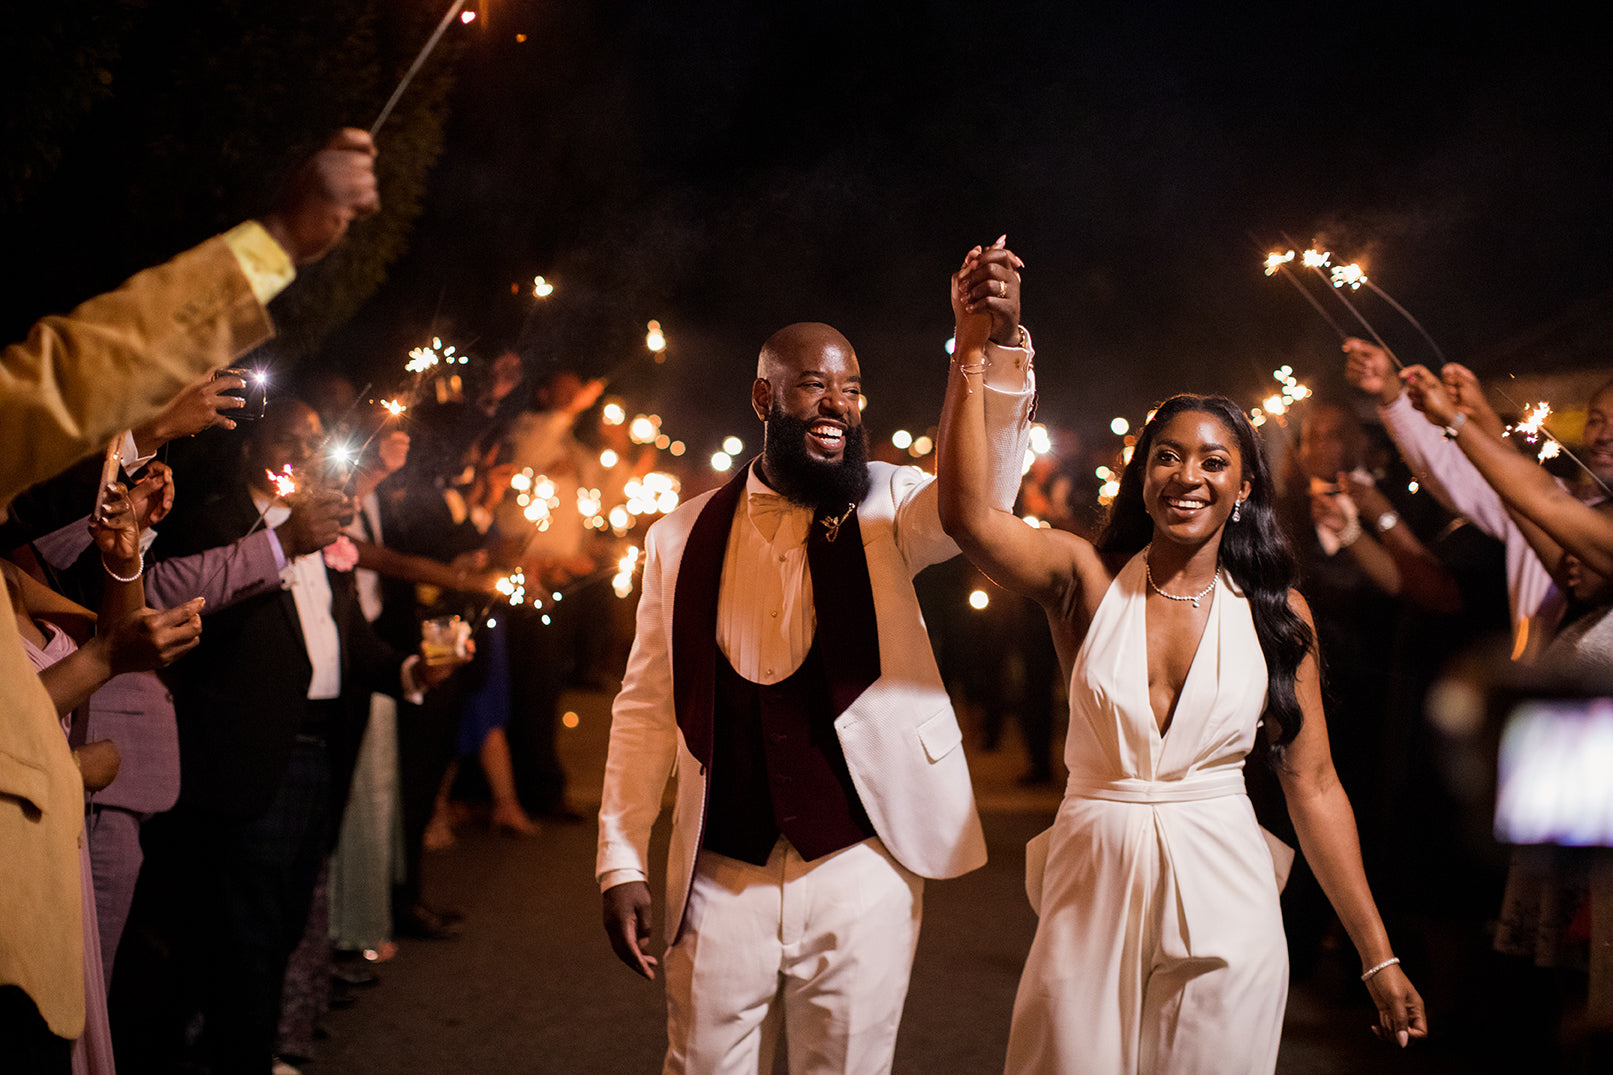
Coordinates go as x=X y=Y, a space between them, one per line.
x=611 y=878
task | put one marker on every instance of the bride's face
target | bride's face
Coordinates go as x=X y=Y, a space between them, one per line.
x=1194 y=477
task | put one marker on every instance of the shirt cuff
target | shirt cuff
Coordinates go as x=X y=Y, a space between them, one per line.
x=267 y=266
x=611 y=878
x=413 y=692
x=129 y=453
x=1010 y=369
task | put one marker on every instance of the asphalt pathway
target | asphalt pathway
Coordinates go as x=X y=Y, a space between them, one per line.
x=532 y=986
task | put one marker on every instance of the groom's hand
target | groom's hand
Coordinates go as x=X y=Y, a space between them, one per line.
x=627 y=924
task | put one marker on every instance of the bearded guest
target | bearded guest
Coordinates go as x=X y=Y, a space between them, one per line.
x=821 y=775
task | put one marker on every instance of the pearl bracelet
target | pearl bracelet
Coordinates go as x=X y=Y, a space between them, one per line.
x=138 y=571
x=1370 y=971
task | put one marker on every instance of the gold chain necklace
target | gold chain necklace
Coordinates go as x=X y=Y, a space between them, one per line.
x=1148 y=571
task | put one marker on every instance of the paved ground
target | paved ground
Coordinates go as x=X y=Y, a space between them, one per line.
x=532 y=986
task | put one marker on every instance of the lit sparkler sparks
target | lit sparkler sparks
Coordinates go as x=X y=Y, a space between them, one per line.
x=541 y=288
x=1351 y=276
x=1533 y=425
x=394 y=407
x=1316 y=259
x=1549 y=450
x=622 y=583
x=513 y=587
x=284 y=483
x=1275 y=261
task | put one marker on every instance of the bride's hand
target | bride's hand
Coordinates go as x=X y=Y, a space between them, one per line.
x=1400 y=1009
x=985 y=297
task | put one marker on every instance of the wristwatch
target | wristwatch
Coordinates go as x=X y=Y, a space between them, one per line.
x=1387 y=520
x=1458 y=420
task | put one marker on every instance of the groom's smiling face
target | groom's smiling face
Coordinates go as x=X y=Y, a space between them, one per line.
x=808 y=391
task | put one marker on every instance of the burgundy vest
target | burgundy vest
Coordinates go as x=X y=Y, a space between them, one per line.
x=770 y=754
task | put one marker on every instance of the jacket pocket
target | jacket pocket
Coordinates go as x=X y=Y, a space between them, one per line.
x=940 y=735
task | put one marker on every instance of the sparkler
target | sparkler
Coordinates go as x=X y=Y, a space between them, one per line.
x=1316 y=260
x=284 y=484
x=1275 y=262
x=408 y=76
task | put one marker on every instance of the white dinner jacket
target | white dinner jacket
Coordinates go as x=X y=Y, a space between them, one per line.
x=900 y=737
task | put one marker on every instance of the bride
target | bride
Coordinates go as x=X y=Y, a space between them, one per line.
x=1160 y=942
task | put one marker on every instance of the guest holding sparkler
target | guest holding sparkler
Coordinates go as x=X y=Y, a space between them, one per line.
x=1160 y=945
x=1544 y=892
x=270 y=708
x=1444 y=468
x=113 y=363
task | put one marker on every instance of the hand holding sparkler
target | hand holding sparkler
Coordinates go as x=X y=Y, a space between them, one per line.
x=1427 y=394
x=1368 y=368
x=333 y=188
x=1465 y=391
x=315 y=521
x=146 y=640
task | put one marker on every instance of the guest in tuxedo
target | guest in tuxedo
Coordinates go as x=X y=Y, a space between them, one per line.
x=820 y=772
x=271 y=709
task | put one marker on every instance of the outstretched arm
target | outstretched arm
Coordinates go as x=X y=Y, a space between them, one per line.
x=1526 y=488
x=1325 y=825
x=1049 y=566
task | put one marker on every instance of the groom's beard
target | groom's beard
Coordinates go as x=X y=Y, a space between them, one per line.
x=806 y=480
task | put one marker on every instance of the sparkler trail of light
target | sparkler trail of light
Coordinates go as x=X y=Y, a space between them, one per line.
x=1315 y=260
x=408 y=75
x=1274 y=263
x=1403 y=312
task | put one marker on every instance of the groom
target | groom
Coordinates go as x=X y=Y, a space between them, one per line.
x=821 y=775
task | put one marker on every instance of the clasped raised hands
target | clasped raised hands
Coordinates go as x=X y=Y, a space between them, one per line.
x=985 y=297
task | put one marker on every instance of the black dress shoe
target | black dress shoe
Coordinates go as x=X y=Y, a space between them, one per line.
x=423 y=924
x=450 y=916
x=353 y=972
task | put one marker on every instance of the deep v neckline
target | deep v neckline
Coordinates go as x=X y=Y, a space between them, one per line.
x=1192 y=667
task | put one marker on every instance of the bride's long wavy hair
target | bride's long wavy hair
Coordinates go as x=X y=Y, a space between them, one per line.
x=1253 y=550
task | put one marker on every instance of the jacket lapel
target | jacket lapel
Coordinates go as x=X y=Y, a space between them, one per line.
x=694 y=617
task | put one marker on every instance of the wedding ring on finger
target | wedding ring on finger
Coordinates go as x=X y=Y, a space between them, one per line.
x=1002 y=289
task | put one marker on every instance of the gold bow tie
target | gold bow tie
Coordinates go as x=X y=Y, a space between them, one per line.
x=769 y=510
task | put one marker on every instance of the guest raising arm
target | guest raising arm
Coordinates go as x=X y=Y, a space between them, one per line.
x=1526 y=488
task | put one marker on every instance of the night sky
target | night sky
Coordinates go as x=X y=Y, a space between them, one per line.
x=728 y=168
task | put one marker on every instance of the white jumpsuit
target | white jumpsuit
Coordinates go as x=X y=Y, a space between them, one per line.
x=1160 y=945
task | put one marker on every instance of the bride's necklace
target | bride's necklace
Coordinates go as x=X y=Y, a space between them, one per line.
x=1148 y=571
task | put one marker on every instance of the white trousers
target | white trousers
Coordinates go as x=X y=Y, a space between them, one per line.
x=821 y=950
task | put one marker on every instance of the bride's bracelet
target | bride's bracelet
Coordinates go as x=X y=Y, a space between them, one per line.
x=1375 y=968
